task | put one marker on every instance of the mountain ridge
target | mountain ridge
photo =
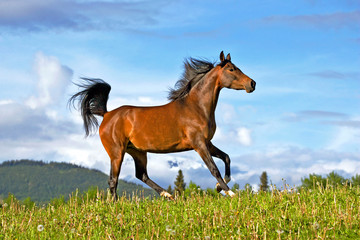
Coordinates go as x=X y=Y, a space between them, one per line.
x=42 y=181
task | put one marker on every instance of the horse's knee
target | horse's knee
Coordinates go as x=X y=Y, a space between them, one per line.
x=215 y=172
x=142 y=176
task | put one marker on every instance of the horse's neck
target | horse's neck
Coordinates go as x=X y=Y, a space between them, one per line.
x=205 y=94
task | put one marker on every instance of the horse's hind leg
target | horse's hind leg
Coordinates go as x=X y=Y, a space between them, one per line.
x=114 y=173
x=140 y=160
x=215 y=152
x=116 y=154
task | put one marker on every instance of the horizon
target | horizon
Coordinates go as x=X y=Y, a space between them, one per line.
x=303 y=117
x=254 y=188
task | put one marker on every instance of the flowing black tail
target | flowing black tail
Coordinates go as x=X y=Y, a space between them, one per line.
x=91 y=101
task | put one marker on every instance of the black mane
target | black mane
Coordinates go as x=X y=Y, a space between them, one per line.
x=195 y=70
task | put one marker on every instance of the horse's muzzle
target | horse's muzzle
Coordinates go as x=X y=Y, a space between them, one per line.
x=253 y=84
x=251 y=87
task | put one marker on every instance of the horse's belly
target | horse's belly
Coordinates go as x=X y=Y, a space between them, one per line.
x=160 y=144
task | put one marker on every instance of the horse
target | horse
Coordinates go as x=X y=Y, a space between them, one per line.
x=186 y=122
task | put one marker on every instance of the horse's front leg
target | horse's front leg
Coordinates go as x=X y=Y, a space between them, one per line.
x=204 y=153
x=215 y=152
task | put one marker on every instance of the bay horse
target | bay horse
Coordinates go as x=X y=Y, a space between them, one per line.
x=187 y=122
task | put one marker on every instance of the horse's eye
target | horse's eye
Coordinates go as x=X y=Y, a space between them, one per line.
x=231 y=70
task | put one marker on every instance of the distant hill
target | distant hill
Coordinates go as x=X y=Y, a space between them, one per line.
x=44 y=181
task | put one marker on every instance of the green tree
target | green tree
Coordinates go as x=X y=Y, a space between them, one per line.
x=334 y=179
x=192 y=188
x=313 y=181
x=264 y=182
x=235 y=187
x=248 y=187
x=179 y=183
x=169 y=189
x=355 y=180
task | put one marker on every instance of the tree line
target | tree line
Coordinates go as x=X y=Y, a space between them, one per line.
x=313 y=181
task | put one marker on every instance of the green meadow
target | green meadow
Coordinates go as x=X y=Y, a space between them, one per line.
x=321 y=213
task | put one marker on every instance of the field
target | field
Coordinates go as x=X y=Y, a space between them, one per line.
x=332 y=213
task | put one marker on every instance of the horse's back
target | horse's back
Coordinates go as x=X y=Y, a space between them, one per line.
x=153 y=129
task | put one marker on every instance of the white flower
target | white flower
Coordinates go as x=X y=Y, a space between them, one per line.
x=40 y=228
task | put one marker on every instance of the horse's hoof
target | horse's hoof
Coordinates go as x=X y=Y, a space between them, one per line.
x=166 y=195
x=230 y=193
x=218 y=188
x=226 y=180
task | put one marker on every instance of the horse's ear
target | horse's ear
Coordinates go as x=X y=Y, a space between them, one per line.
x=222 y=56
x=228 y=57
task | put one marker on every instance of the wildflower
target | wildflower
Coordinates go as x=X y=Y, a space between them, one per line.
x=279 y=231
x=5 y=205
x=316 y=225
x=168 y=229
x=207 y=237
x=40 y=228
x=73 y=230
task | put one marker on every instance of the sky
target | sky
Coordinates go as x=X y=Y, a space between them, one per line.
x=303 y=117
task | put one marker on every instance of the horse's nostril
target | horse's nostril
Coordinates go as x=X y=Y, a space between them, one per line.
x=253 y=84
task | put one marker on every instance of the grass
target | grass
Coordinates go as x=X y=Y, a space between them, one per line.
x=331 y=213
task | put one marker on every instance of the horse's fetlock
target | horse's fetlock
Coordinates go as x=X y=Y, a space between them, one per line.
x=112 y=183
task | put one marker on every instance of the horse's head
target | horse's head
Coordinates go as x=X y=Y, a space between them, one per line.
x=232 y=77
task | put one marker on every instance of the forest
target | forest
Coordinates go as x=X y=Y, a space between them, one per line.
x=42 y=181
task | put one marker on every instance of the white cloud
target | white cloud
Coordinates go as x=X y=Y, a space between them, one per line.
x=4 y=102
x=53 y=78
x=244 y=136
x=38 y=15
x=35 y=129
x=228 y=113
x=291 y=164
x=346 y=136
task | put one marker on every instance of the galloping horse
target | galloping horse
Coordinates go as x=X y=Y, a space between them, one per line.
x=187 y=122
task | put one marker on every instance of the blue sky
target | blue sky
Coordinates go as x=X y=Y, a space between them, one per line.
x=304 y=55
